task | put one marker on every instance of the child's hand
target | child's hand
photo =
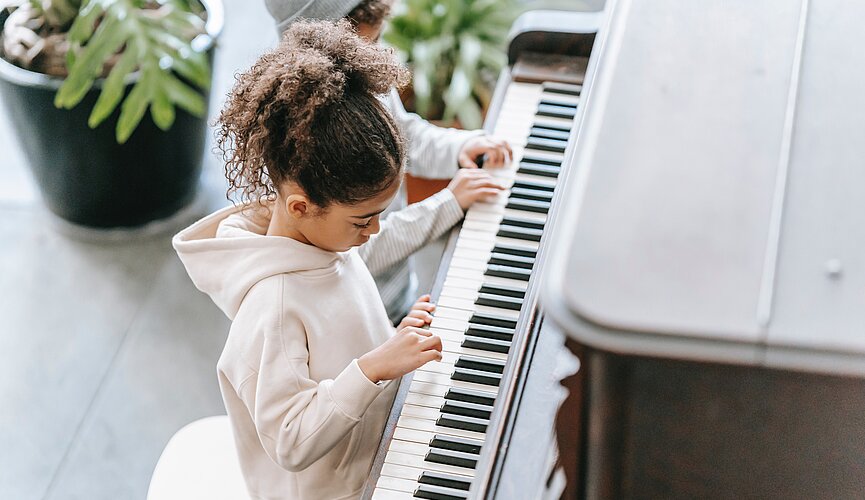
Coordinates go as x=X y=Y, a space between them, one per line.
x=471 y=185
x=498 y=152
x=419 y=314
x=408 y=350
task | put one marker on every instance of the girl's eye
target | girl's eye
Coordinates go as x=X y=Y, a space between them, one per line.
x=363 y=226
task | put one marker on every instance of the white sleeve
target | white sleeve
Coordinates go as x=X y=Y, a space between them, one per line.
x=432 y=150
x=298 y=420
x=405 y=231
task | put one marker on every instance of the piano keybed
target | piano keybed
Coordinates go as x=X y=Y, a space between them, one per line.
x=441 y=427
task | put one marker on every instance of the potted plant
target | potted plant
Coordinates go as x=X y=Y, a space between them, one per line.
x=455 y=49
x=78 y=78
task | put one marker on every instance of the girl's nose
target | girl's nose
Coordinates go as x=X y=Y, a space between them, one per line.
x=373 y=228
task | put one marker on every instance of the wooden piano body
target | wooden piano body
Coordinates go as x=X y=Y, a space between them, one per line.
x=712 y=277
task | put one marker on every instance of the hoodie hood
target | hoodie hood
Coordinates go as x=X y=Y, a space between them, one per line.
x=227 y=253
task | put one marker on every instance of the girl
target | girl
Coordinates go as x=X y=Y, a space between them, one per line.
x=431 y=152
x=317 y=158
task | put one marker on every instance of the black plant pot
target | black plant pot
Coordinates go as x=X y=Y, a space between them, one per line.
x=84 y=176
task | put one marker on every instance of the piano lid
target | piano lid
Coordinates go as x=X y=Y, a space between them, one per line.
x=717 y=212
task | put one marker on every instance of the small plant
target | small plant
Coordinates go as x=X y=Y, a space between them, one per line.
x=455 y=49
x=156 y=44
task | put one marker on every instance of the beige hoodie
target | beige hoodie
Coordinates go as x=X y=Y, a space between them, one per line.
x=306 y=420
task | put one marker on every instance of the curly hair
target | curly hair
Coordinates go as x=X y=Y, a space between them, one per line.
x=371 y=12
x=307 y=112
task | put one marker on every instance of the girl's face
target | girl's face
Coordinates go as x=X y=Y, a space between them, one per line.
x=342 y=227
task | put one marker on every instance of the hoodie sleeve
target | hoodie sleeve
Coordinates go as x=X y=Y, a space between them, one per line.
x=405 y=231
x=299 y=420
x=432 y=150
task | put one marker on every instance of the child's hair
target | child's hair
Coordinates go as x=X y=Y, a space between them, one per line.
x=371 y=12
x=307 y=112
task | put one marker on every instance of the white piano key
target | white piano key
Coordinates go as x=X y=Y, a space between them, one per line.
x=409 y=447
x=445 y=379
x=397 y=458
x=464 y=293
x=472 y=287
x=449 y=312
x=397 y=484
x=501 y=240
x=449 y=323
x=456 y=348
x=555 y=121
x=419 y=424
x=424 y=400
x=385 y=494
x=437 y=367
x=427 y=389
x=508 y=212
x=480 y=225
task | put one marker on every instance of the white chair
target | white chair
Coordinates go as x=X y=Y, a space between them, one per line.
x=199 y=462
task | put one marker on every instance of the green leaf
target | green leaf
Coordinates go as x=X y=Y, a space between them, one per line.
x=135 y=104
x=162 y=111
x=112 y=90
x=183 y=95
x=82 y=27
x=108 y=38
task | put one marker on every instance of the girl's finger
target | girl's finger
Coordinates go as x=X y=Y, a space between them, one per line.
x=431 y=342
x=418 y=331
x=430 y=355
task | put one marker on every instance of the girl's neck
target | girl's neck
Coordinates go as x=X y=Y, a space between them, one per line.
x=280 y=225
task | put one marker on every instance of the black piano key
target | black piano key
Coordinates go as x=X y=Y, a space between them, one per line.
x=493 y=320
x=485 y=364
x=433 y=492
x=470 y=396
x=512 y=220
x=467 y=409
x=514 y=273
x=556 y=111
x=447 y=480
x=552 y=101
x=464 y=423
x=510 y=303
x=476 y=377
x=548 y=132
x=504 y=259
x=508 y=291
x=540 y=207
x=456 y=443
x=534 y=186
x=530 y=194
x=531 y=168
x=519 y=233
x=512 y=250
x=540 y=160
x=561 y=88
x=490 y=332
x=484 y=344
x=544 y=144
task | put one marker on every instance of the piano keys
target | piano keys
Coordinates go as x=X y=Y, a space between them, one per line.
x=448 y=412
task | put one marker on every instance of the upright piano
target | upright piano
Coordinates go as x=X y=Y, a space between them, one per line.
x=452 y=421
x=711 y=278
x=686 y=218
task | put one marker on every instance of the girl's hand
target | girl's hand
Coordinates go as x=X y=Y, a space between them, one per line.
x=420 y=313
x=408 y=350
x=496 y=152
x=471 y=185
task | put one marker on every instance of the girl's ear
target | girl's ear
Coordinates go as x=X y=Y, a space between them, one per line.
x=298 y=206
